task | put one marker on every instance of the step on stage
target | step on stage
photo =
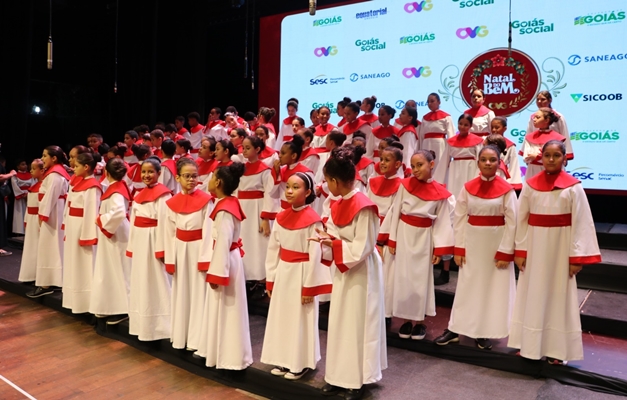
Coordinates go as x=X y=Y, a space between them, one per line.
x=604 y=321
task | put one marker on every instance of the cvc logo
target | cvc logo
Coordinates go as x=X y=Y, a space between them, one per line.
x=417 y=73
x=478 y=31
x=325 y=51
x=596 y=97
x=417 y=7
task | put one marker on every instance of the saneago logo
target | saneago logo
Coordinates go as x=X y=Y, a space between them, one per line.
x=533 y=26
x=611 y=17
x=328 y=104
x=472 y=3
x=596 y=97
x=335 y=20
x=400 y=104
x=417 y=73
x=418 y=39
x=354 y=77
x=370 y=45
x=417 y=7
x=477 y=31
x=576 y=59
x=607 y=136
x=372 y=13
x=582 y=173
x=325 y=51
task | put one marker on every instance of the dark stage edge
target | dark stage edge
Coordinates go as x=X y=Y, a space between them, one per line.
x=261 y=382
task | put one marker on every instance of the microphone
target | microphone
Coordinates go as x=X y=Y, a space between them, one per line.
x=50 y=53
x=312 y=7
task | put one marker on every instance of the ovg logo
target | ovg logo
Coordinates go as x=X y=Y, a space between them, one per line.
x=508 y=82
x=574 y=59
x=325 y=51
x=417 y=7
x=477 y=31
x=417 y=72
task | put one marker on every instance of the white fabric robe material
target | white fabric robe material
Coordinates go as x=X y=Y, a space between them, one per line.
x=166 y=178
x=285 y=131
x=438 y=145
x=482 y=125
x=559 y=127
x=410 y=145
x=28 y=264
x=462 y=171
x=510 y=158
x=19 y=204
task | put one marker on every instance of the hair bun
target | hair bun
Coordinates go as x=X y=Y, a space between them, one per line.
x=237 y=169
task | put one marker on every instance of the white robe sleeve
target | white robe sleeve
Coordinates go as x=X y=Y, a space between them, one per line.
x=513 y=166
x=218 y=272
x=53 y=191
x=409 y=142
x=510 y=211
x=394 y=216
x=169 y=244
x=563 y=130
x=271 y=205
x=129 y=246
x=522 y=223
x=160 y=234
x=584 y=248
x=206 y=248
x=111 y=220
x=89 y=229
x=17 y=192
x=459 y=223
x=443 y=239
x=349 y=254
x=273 y=256
x=450 y=128
x=316 y=277
x=367 y=130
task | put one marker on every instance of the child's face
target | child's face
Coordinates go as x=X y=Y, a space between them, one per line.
x=94 y=143
x=404 y=117
x=389 y=164
x=205 y=150
x=323 y=116
x=296 y=125
x=22 y=166
x=261 y=134
x=420 y=167
x=179 y=150
x=129 y=141
x=488 y=163
x=334 y=188
x=156 y=142
x=329 y=144
x=291 y=111
x=213 y=115
x=235 y=138
x=314 y=118
x=285 y=155
x=349 y=114
x=82 y=170
x=542 y=101
x=48 y=161
x=540 y=121
x=382 y=146
x=497 y=128
x=149 y=174
x=188 y=178
x=358 y=143
x=433 y=103
x=553 y=159
x=213 y=184
x=384 y=117
x=340 y=110
x=178 y=124
x=222 y=154
x=72 y=158
x=477 y=99
x=295 y=192
x=148 y=142
x=231 y=121
x=463 y=126
x=248 y=150
x=35 y=171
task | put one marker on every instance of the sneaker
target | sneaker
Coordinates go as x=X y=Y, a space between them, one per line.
x=190 y=349
x=555 y=361
x=442 y=279
x=446 y=338
x=292 y=376
x=419 y=332
x=100 y=315
x=405 y=331
x=116 y=319
x=279 y=371
x=485 y=344
x=39 y=291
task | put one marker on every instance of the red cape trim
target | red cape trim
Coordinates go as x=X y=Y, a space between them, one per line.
x=383 y=132
x=508 y=143
x=134 y=173
x=231 y=205
x=58 y=169
x=369 y=118
x=377 y=168
x=363 y=163
x=117 y=187
x=540 y=138
x=286 y=172
x=188 y=203
x=427 y=191
x=171 y=165
x=353 y=126
x=86 y=184
x=294 y=220
x=197 y=128
x=266 y=153
x=435 y=115
x=407 y=128
x=468 y=141
x=341 y=123
x=323 y=130
x=383 y=187
x=309 y=152
x=25 y=176
x=270 y=127
x=544 y=182
x=35 y=187
x=150 y=194
x=478 y=112
x=488 y=189
x=254 y=168
x=215 y=122
x=220 y=164
x=205 y=166
x=288 y=120
x=344 y=211
x=74 y=180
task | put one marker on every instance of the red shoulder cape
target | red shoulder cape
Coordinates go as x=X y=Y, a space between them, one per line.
x=150 y=194
x=197 y=128
x=377 y=168
x=188 y=203
x=540 y=138
x=217 y=165
x=35 y=187
x=341 y=123
x=508 y=143
x=267 y=152
x=117 y=187
x=58 y=169
x=427 y=191
x=231 y=205
x=369 y=118
x=407 y=128
x=383 y=187
x=323 y=130
x=87 y=184
x=468 y=141
x=353 y=127
x=488 y=189
x=383 y=132
x=171 y=165
x=134 y=173
x=25 y=176
x=344 y=211
x=286 y=172
x=363 y=163
x=309 y=152
x=205 y=166
x=215 y=122
x=544 y=182
x=74 y=180
x=288 y=120
x=254 y=168
x=435 y=115
x=478 y=112
x=293 y=220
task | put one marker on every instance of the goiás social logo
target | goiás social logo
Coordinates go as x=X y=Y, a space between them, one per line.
x=473 y=3
x=508 y=82
x=576 y=59
x=371 y=13
x=329 y=104
x=421 y=38
x=414 y=6
x=414 y=72
x=325 y=51
x=324 y=80
x=596 y=97
x=533 y=26
x=354 y=77
x=594 y=19
x=600 y=136
x=582 y=173
x=370 y=44
x=334 y=20
x=469 y=32
x=518 y=135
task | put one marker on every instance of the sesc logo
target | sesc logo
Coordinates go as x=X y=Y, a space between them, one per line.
x=370 y=45
x=335 y=20
x=417 y=7
x=472 y=3
x=355 y=77
x=583 y=173
x=325 y=51
x=596 y=97
x=594 y=136
x=418 y=39
x=478 y=31
x=417 y=73
x=612 y=17
x=319 y=80
x=575 y=59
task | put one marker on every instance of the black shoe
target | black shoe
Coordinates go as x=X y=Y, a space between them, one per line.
x=388 y=323
x=446 y=338
x=116 y=319
x=330 y=390
x=39 y=291
x=442 y=279
x=405 y=331
x=419 y=332
x=485 y=344
x=354 y=394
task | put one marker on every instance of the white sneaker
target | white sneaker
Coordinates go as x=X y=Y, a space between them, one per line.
x=279 y=371
x=296 y=376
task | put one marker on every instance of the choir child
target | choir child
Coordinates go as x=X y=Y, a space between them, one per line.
x=481 y=115
x=206 y=161
x=168 y=167
x=322 y=129
x=147 y=140
x=286 y=131
x=288 y=164
x=314 y=118
x=463 y=150
x=28 y=265
x=195 y=133
x=363 y=165
x=408 y=133
x=409 y=103
x=215 y=126
x=553 y=242
x=354 y=124
x=341 y=105
x=498 y=141
x=20 y=183
x=265 y=117
x=179 y=124
x=130 y=139
x=134 y=174
x=268 y=155
x=156 y=139
x=437 y=126
x=310 y=157
x=251 y=120
x=384 y=129
x=184 y=148
x=545 y=99
x=322 y=205
x=171 y=132
x=236 y=136
x=368 y=105
x=510 y=157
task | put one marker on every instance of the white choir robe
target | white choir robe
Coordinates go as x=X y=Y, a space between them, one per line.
x=319 y=173
x=484 y=298
x=20 y=184
x=112 y=271
x=168 y=176
x=150 y=291
x=225 y=330
x=286 y=133
x=365 y=169
x=258 y=182
x=268 y=156
x=218 y=132
x=546 y=320
x=435 y=129
x=52 y=195
x=310 y=159
x=286 y=172
x=195 y=138
x=356 y=339
x=559 y=127
x=134 y=178
x=463 y=154
x=414 y=295
x=363 y=127
x=373 y=121
x=187 y=212
x=481 y=121
x=510 y=158
x=382 y=191
x=409 y=139
x=532 y=147
x=291 y=339
x=28 y=264
x=320 y=136
x=79 y=250
x=205 y=168
x=379 y=133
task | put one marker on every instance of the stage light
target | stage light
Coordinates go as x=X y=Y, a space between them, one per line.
x=312 y=7
x=36 y=109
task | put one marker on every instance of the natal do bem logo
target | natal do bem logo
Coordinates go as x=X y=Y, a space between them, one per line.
x=468 y=32
x=335 y=20
x=418 y=6
x=417 y=72
x=325 y=51
x=509 y=83
x=472 y=3
x=370 y=44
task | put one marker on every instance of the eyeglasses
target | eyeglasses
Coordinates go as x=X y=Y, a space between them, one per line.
x=189 y=177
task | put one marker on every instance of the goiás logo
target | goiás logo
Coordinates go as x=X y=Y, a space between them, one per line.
x=473 y=3
x=329 y=104
x=508 y=82
x=518 y=135
x=576 y=59
x=596 y=97
x=533 y=26
x=602 y=136
x=468 y=32
x=582 y=173
x=324 y=80
x=371 y=13
x=370 y=44
x=413 y=72
x=593 y=19
x=421 y=38
x=414 y=6
x=325 y=51
x=354 y=77
x=334 y=20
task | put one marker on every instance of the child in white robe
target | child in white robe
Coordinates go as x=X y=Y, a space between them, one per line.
x=463 y=150
x=436 y=128
x=28 y=265
x=20 y=183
